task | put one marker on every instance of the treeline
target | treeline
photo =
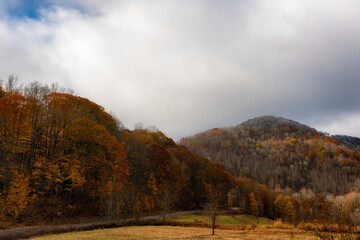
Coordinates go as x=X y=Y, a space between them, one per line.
x=302 y=207
x=62 y=156
x=276 y=151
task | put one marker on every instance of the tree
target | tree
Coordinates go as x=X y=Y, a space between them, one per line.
x=279 y=205
x=18 y=195
x=165 y=202
x=11 y=85
x=253 y=204
x=289 y=212
x=284 y=207
x=102 y=158
x=14 y=134
x=2 y=92
x=212 y=204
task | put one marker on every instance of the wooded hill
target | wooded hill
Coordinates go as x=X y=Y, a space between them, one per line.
x=62 y=156
x=277 y=151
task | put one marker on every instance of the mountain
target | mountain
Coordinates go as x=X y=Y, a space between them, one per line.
x=355 y=141
x=280 y=152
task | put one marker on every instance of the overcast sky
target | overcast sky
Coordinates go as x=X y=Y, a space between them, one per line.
x=187 y=66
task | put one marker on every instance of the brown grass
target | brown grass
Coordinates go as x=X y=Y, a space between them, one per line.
x=171 y=232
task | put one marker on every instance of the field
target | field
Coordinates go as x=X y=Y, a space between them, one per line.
x=168 y=232
x=224 y=219
x=253 y=228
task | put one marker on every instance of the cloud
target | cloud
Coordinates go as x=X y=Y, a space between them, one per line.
x=185 y=67
x=343 y=124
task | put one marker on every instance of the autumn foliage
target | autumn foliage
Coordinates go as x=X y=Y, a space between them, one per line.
x=277 y=151
x=62 y=156
x=58 y=155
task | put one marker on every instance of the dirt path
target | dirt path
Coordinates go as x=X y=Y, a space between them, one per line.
x=33 y=231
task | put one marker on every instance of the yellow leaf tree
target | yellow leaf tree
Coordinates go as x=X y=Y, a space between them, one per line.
x=253 y=204
x=18 y=195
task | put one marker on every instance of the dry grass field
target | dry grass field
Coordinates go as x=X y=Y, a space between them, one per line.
x=168 y=232
x=224 y=219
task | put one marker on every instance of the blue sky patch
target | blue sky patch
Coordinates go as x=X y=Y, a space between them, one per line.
x=28 y=8
x=32 y=8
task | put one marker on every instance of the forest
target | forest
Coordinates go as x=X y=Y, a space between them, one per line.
x=282 y=154
x=311 y=175
x=63 y=156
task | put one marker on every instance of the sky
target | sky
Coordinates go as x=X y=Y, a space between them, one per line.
x=187 y=66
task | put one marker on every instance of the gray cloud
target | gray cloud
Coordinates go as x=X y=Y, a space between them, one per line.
x=188 y=66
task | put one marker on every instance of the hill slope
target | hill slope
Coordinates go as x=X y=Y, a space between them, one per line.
x=63 y=156
x=275 y=150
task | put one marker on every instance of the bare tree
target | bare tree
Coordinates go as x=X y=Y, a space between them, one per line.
x=55 y=87
x=212 y=205
x=119 y=125
x=152 y=129
x=165 y=196
x=37 y=90
x=139 y=126
x=11 y=86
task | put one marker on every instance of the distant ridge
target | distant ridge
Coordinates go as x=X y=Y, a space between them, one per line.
x=279 y=151
x=276 y=125
x=355 y=141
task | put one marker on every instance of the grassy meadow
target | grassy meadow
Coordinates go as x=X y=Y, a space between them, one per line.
x=193 y=226
x=224 y=219
x=170 y=232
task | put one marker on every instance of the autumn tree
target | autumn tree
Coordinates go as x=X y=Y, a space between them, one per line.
x=253 y=204
x=279 y=206
x=14 y=133
x=102 y=157
x=289 y=212
x=2 y=92
x=284 y=208
x=18 y=196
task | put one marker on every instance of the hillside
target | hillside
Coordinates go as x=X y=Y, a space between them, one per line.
x=277 y=151
x=63 y=156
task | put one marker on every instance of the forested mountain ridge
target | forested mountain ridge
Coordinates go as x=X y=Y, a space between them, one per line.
x=275 y=150
x=63 y=156
x=355 y=141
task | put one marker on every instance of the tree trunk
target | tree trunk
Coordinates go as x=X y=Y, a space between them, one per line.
x=213 y=223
